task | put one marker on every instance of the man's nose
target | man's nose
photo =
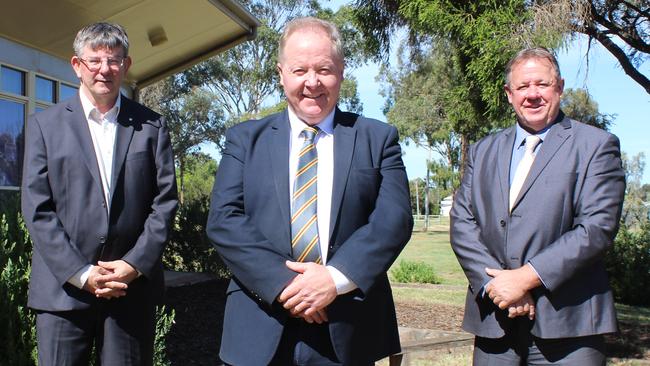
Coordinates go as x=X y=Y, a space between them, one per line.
x=311 y=79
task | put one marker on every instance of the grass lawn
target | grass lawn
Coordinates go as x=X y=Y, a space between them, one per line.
x=433 y=248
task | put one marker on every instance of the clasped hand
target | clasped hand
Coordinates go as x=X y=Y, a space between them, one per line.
x=110 y=279
x=309 y=293
x=508 y=290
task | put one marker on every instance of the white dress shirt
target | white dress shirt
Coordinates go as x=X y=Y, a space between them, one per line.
x=103 y=129
x=324 y=142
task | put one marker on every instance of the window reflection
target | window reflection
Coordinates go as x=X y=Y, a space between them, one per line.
x=66 y=91
x=45 y=89
x=12 y=118
x=12 y=80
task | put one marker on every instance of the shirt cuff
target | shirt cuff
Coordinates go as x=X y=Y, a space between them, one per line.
x=343 y=284
x=79 y=279
x=536 y=273
x=483 y=289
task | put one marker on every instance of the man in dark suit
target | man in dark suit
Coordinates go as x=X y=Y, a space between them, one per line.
x=325 y=300
x=98 y=197
x=538 y=206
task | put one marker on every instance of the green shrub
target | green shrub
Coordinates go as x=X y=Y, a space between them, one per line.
x=17 y=331
x=189 y=248
x=164 y=322
x=414 y=272
x=628 y=265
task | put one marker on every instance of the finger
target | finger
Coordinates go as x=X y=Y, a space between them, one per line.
x=531 y=312
x=296 y=266
x=116 y=285
x=503 y=305
x=492 y=272
x=292 y=302
x=511 y=312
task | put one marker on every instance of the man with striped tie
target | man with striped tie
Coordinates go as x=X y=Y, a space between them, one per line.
x=310 y=208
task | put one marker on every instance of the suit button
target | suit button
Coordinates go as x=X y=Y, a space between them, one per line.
x=102 y=240
x=103 y=204
x=502 y=223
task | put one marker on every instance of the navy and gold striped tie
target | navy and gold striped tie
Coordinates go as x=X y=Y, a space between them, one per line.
x=304 y=224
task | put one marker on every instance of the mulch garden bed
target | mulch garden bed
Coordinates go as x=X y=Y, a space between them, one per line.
x=195 y=337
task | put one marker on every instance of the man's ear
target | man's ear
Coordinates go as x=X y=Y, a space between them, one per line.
x=278 y=67
x=76 y=65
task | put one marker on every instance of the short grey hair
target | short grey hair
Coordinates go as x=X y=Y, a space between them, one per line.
x=314 y=24
x=101 y=35
x=540 y=53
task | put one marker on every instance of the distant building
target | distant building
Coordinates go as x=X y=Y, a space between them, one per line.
x=445 y=205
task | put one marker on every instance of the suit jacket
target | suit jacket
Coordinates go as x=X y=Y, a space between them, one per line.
x=65 y=210
x=249 y=223
x=565 y=218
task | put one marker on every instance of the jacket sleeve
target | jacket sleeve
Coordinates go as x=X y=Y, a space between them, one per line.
x=465 y=232
x=371 y=249
x=596 y=218
x=148 y=249
x=48 y=235
x=244 y=249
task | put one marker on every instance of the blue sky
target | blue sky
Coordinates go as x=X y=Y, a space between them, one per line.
x=614 y=91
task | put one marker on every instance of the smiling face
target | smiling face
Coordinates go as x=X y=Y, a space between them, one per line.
x=101 y=86
x=311 y=74
x=534 y=92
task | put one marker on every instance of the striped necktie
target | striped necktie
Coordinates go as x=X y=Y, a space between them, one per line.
x=304 y=224
x=523 y=168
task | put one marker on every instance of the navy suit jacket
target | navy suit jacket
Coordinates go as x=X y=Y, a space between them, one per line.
x=65 y=210
x=564 y=220
x=249 y=223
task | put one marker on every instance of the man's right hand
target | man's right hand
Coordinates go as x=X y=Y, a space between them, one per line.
x=92 y=285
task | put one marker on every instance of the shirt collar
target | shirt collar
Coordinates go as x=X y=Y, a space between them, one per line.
x=522 y=134
x=90 y=109
x=297 y=125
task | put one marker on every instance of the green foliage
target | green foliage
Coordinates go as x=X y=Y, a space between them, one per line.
x=635 y=210
x=189 y=249
x=164 y=323
x=414 y=272
x=577 y=104
x=18 y=335
x=627 y=265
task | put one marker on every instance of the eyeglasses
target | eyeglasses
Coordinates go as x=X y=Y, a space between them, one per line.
x=94 y=64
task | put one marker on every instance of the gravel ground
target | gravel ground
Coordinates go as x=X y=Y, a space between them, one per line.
x=195 y=337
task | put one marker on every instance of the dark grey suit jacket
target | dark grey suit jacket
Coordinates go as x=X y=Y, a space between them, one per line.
x=249 y=224
x=565 y=218
x=65 y=210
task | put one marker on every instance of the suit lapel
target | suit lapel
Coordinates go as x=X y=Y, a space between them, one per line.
x=344 y=140
x=555 y=138
x=279 y=162
x=505 y=156
x=123 y=136
x=79 y=128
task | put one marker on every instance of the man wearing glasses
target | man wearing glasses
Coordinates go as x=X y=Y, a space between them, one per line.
x=98 y=196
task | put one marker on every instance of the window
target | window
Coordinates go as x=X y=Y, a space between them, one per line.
x=12 y=80
x=12 y=117
x=45 y=89
x=67 y=91
x=22 y=92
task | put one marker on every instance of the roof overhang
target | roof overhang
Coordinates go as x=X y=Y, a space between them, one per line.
x=166 y=36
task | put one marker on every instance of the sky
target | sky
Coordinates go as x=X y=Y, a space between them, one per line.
x=614 y=91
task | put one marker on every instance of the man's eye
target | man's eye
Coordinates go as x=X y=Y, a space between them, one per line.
x=112 y=62
x=95 y=61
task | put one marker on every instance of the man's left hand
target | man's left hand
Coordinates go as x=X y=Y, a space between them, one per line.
x=310 y=292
